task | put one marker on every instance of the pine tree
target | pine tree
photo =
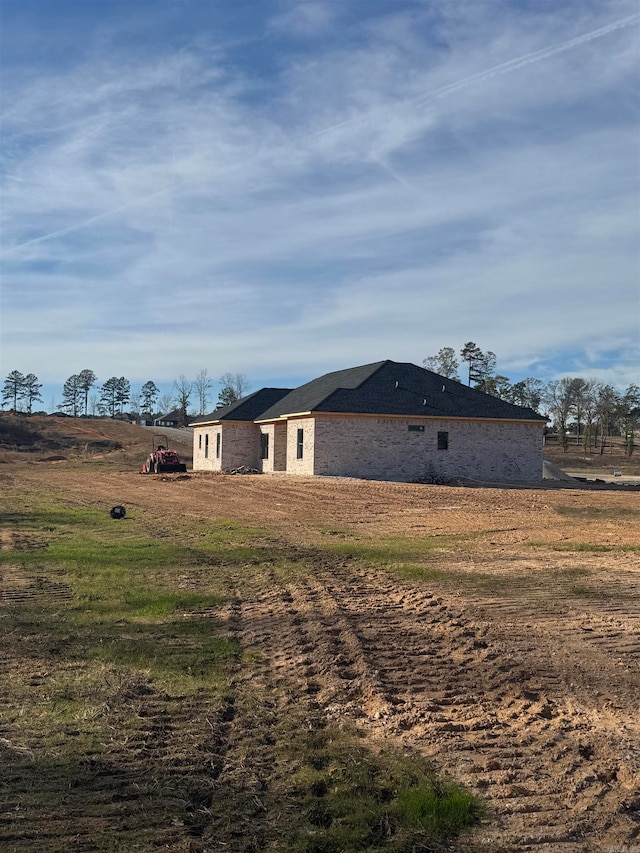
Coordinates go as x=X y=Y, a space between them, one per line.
x=13 y=388
x=72 y=395
x=149 y=393
x=114 y=393
x=87 y=379
x=31 y=391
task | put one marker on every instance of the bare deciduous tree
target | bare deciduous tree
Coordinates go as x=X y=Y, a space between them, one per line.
x=445 y=363
x=203 y=386
x=630 y=411
x=165 y=402
x=234 y=387
x=608 y=406
x=183 y=389
x=558 y=398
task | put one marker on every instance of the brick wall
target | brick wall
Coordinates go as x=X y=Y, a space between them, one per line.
x=239 y=445
x=379 y=448
x=204 y=456
x=277 y=458
x=306 y=464
x=385 y=449
x=267 y=465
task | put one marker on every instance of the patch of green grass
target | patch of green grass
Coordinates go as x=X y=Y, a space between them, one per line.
x=588 y=547
x=48 y=511
x=157 y=604
x=227 y=530
x=186 y=651
x=351 y=798
x=598 y=512
x=570 y=572
x=124 y=604
x=582 y=589
x=334 y=530
x=425 y=560
x=441 y=809
x=397 y=550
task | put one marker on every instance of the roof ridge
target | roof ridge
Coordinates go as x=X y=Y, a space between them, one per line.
x=378 y=366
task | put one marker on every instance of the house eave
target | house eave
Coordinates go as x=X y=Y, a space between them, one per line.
x=444 y=417
x=222 y=421
x=287 y=417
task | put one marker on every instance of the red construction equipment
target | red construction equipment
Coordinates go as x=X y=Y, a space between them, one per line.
x=161 y=460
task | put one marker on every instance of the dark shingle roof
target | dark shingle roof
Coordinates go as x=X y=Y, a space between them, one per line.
x=175 y=415
x=248 y=408
x=393 y=388
x=311 y=395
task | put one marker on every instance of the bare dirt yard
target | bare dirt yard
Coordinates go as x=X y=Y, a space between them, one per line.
x=494 y=632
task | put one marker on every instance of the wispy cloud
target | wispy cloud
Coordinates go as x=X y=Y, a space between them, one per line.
x=324 y=188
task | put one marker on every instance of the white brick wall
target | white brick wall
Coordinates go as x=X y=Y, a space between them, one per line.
x=267 y=465
x=385 y=449
x=380 y=448
x=277 y=458
x=239 y=445
x=203 y=460
x=306 y=464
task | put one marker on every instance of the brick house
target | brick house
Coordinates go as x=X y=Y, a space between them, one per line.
x=382 y=421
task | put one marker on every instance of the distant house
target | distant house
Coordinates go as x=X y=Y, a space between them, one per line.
x=383 y=421
x=171 y=419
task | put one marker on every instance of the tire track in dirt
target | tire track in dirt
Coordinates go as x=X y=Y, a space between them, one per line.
x=485 y=704
x=241 y=741
x=482 y=705
x=143 y=769
x=159 y=754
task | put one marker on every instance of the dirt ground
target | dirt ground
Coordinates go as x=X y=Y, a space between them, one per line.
x=515 y=666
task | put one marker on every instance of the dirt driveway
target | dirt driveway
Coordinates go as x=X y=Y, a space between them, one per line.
x=511 y=656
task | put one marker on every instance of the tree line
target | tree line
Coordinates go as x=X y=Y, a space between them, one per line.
x=591 y=411
x=83 y=395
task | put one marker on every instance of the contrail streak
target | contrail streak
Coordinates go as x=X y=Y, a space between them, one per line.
x=397 y=177
x=430 y=97
x=480 y=76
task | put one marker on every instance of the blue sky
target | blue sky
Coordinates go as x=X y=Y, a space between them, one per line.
x=284 y=188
